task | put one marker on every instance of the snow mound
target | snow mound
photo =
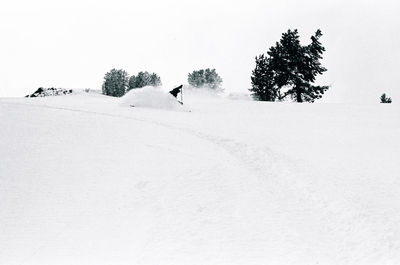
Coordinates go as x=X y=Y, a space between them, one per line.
x=151 y=97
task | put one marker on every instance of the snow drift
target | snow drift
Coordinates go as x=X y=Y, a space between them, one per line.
x=84 y=181
x=151 y=97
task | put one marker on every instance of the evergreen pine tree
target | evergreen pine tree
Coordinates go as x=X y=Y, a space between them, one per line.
x=132 y=82
x=115 y=83
x=205 y=78
x=144 y=79
x=263 y=87
x=293 y=66
x=155 y=80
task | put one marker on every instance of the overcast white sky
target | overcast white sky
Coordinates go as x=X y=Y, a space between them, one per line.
x=72 y=44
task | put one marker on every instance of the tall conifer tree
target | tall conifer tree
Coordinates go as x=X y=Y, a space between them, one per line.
x=291 y=66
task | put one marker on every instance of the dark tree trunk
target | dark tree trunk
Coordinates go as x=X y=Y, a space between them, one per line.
x=298 y=95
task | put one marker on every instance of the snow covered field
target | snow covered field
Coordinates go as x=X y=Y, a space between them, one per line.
x=87 y=180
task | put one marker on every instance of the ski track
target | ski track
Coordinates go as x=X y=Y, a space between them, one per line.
x=263 y=162
x=254 y=158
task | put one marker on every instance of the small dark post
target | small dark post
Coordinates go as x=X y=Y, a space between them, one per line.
x=182 y=94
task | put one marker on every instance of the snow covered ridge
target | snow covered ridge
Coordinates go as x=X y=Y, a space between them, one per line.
x=151 y=97
x=52 y=91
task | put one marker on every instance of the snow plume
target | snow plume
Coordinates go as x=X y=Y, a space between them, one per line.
x=151 y=97
x=202 y=92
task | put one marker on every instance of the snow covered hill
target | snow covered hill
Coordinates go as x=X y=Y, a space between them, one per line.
x=87 y=180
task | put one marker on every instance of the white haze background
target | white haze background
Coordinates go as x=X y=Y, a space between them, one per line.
x=74 y=43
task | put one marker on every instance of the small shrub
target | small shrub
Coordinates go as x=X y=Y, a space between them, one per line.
x=385 y=99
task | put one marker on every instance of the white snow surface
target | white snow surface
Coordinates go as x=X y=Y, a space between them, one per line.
x=86 y=181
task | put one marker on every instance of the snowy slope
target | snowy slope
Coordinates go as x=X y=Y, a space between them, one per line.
x=87 y=180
